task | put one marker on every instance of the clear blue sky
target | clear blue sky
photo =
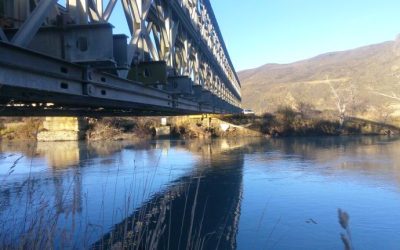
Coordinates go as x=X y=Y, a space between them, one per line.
x=282 y=31
x=257 y=32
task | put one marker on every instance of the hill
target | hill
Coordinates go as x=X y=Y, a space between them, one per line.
x=363 y=82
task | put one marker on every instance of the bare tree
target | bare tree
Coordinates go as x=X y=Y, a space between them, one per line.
x=341 y=101
x=392 y=95
x=385 y=112
x=346 y=98
x=388 y=108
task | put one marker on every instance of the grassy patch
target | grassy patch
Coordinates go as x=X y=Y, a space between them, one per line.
x=20 y=129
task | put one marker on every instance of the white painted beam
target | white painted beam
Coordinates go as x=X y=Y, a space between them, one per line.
x=109 y=9
x=78 y=10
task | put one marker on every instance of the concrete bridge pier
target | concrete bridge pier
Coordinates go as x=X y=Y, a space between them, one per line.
x=63 y=129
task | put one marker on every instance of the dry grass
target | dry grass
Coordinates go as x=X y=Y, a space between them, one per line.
x=20 y=129
x=190 y=130
x=290 y=122
x=118 y=128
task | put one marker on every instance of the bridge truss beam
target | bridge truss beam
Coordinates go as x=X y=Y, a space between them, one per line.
x=182 y=33
x=35 y=77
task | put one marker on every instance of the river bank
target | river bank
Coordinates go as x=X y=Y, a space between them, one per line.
x=284 y=123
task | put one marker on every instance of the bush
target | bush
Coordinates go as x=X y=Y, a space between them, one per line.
x=306 y=110
x=286 y=114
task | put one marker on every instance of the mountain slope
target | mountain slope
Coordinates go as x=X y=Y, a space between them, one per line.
x=356 y=79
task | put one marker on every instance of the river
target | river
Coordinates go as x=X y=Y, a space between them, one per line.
x=201 y=194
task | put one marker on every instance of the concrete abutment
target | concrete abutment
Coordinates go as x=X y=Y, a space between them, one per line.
x=63 y=129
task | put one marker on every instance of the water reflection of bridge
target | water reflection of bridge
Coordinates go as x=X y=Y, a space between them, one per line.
x=202 y=206
x=198 y=211
x=74 y=153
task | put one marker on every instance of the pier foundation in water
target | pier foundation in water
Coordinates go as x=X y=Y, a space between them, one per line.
x=63 y=129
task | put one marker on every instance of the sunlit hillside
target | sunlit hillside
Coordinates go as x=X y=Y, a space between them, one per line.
x=364 y=81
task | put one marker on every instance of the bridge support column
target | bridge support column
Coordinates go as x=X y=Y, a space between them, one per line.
x=63 y=129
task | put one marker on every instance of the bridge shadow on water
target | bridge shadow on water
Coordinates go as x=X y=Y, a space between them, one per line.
x=198 y=209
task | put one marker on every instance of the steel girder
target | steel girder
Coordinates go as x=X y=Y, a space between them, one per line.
x=34 y=77
x=183 y=33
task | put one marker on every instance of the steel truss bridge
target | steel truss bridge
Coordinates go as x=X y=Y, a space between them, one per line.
x=62 y=58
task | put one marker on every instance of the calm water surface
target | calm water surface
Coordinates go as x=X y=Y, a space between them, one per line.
x=220 y=194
